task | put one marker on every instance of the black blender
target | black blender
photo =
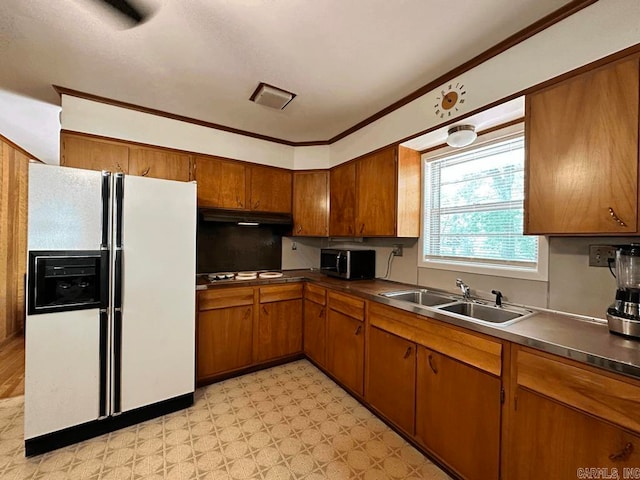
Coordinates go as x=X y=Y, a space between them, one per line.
x=624 y=315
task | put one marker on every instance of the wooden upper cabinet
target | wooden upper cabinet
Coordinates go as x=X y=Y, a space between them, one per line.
x=378 y=195
x=221 y=183
x=270 y=189
x=119 y=156
x=342 y=212
x=582 y=154
x=156 y=163
x=93 y=154
x=311 y=203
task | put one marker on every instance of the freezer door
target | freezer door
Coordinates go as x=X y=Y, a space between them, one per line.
x=62 y=371
x=65 y=208
x=157 y=333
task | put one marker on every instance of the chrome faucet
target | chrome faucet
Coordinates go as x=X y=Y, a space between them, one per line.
x=466 y=292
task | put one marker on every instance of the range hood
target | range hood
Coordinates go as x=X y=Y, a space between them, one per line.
x=238 y=216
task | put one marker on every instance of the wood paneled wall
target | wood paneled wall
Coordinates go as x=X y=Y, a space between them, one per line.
x=14 y=168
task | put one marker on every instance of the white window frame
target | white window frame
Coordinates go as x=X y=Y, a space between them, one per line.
x=539 y=273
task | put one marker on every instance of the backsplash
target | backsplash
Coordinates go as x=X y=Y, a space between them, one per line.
x=223 y=247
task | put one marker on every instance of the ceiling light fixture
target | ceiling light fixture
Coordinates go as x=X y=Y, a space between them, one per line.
x=461 y=135
x=271 y=96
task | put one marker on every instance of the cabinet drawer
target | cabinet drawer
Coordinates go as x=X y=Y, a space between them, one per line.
x=315 y=293
x=277 y=293
x=469 y=348
x=224 y=297
x=351 y=306
x=612 y=399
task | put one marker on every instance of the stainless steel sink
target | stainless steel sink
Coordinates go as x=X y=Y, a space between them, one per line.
x=486 y=313
x=420 y=297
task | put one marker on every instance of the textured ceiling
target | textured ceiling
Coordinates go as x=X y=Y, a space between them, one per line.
x=345 y=59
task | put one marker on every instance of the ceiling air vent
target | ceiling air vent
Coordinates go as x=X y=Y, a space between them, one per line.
x=271 y=96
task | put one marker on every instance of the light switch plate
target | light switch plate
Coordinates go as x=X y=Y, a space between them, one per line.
x=599 y=255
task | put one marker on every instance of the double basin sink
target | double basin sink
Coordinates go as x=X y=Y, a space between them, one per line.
x=466 y=310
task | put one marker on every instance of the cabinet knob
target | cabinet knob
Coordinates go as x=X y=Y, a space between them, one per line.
x=431 y=364
x=321 y=313
x=622 y=454
x=350 y=229
x=299 y=228
x=362 y=228
x=358 y=330
x=264 y=309
x=146 y=171
x=239 y=202
x=257 y=204
x=616 y=218
x=407 y=353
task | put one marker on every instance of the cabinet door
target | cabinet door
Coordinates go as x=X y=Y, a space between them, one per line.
x=554 y=441
x=270 y=190
x=376 y=194
x=311 y=204
x=582 y=154
x=90 y=154
x=342 y=209
x=221 y=183
x=279 y=329
x=345 y=349
x=148 y=162
x=224 y=340
x=458 y=415
x=314 y=331
x=391 y=377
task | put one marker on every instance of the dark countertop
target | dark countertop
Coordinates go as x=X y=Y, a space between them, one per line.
x=578 y=338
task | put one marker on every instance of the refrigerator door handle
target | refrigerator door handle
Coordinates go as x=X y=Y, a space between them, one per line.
x=106 y=201
x=117 y=296
x=119 y=206
x=104 y=347
x=117 y=362
x=105 y=259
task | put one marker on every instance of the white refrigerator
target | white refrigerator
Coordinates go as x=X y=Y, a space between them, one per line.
x=110 y=327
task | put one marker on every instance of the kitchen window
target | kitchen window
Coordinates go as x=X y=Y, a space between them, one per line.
x=473 y=212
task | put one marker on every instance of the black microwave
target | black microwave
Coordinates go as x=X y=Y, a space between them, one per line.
x=348 y=264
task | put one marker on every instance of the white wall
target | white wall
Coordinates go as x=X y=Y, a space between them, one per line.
x=41 y=138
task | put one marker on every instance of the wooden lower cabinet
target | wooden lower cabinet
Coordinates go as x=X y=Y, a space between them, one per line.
x=345 y=350
x=458 y=415
x=551 y=440
x=315 y=316
x=279 y=321
x=224 y=340
x=391 y=377
x=279 y=329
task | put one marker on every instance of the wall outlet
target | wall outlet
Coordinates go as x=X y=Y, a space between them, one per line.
x=599 y=255
x=397 y=250
x=294 y=246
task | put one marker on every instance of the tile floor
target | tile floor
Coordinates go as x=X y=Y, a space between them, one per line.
x=287 y=422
